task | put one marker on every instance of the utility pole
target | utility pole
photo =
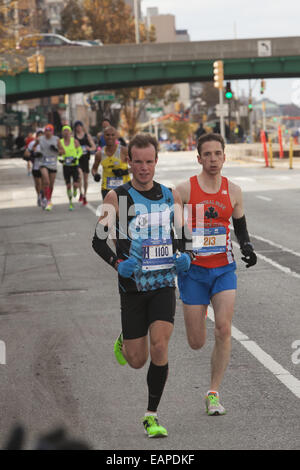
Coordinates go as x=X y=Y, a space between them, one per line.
x=136 y=19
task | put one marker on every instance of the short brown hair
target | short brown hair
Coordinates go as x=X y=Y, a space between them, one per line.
x=142 y=141
x=210 y=138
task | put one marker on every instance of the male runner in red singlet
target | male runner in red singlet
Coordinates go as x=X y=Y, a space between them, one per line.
x=211 y=276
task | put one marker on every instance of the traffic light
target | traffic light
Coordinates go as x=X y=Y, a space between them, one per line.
x=40 y=63
x=177 y=107
x=250 y=105
x=228 y=92
x=141 y=94
x=218 y=74
x=32 y=64
x=262 y=87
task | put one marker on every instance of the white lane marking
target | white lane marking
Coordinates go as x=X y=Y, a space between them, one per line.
x=291 y=382
x=92 y=209
x=243 y=178
x=276 y=245
x=264 y=198
x=282 y=268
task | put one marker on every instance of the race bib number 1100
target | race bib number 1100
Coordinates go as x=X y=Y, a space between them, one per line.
x=157 y=254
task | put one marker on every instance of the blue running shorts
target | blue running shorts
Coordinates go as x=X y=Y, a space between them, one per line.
x=198 y=284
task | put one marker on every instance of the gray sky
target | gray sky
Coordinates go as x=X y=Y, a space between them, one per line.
x=221 y=19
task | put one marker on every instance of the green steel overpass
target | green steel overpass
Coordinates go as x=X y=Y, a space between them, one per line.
x=76 y=69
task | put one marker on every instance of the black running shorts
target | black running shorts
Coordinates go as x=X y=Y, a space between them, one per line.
x=36 y=173
x=140 y=309
x=84 y=163
x=50 y=170
x=71 y=171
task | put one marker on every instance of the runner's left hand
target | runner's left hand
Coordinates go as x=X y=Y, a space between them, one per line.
x=249 y=257
x=182 y=262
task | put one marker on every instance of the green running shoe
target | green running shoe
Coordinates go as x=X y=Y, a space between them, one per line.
x=75 y=192
x=71 y=207
x=213 y=406
x=153 y=428
x=118 y=350
x=49 y=207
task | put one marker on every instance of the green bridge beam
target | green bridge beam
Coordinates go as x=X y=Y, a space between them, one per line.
x=72 y=79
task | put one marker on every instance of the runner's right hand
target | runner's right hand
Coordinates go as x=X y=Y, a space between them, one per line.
x=53 y=148
x=97 y=177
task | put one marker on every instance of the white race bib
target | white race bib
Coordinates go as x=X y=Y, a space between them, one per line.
x=157 y=254
x=210 y=240
x=69 y=160
x=114 y=182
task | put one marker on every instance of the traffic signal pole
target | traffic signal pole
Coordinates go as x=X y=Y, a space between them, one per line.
x=218 y=83
x=222 y=121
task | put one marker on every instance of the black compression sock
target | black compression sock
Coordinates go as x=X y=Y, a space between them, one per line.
x=156 y=380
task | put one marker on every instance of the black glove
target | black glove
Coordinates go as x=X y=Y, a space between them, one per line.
x=61 y=160
x=53 y=148
x=120 y=172
x=97 y=177
x=249 y=257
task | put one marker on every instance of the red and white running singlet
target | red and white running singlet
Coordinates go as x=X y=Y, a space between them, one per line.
x=211 y=236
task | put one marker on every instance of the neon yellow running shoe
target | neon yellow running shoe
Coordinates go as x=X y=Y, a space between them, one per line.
x=153 y=428
x=71 y=207
x=213 y=405
x=118 y=350
x=49 y=207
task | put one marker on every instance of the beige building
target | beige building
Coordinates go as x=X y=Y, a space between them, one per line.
x=165 y=26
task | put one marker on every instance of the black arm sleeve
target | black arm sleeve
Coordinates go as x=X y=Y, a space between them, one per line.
x=103 y=250
x=183 y=242
x=240 y=230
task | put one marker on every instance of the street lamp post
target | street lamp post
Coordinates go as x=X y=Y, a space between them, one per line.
x=136 y=19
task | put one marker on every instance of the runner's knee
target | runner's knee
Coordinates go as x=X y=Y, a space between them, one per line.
x=196 y=342
x=136 y=360
x=159 y=350
x=223 y=331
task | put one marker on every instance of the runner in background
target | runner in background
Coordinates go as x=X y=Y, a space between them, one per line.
x=88 y=146
x=69 y=157
x=30 y=138
x=50 y=146
x=35 y=157
x=114 y=161
x=101 y=139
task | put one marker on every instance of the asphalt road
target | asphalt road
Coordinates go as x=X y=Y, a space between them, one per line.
x=59 y=317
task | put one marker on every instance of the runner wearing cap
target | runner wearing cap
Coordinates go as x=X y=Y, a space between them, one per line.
x=87 y=144
x=72 y=152
x=49 y=148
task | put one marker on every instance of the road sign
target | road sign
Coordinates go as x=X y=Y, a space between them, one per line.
x=104 y=97
x=154 y=109
x=264 y=48
x=243 y=110
x=222 y=110
x=11 y=119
